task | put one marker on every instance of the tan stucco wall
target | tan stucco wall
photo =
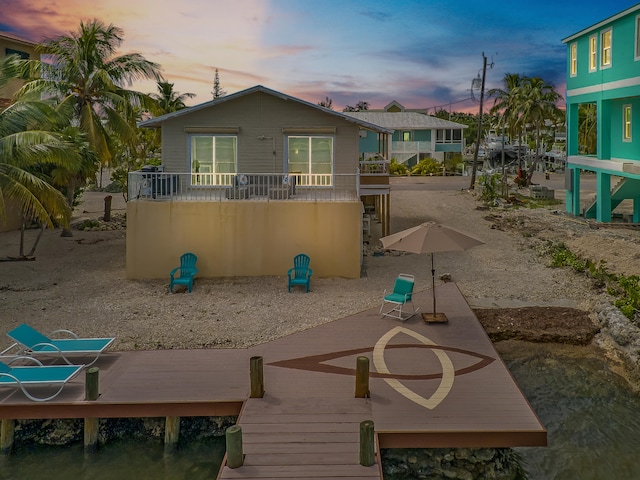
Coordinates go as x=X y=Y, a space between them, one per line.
x=14 y=84
x=243 y=238
x=13 y=217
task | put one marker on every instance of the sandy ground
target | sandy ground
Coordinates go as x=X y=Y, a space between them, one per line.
x=79 y=283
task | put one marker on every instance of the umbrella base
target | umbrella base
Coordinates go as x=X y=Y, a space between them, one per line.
x=435 y=318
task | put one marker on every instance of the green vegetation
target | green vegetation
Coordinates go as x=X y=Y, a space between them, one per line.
x=427 y=166
x=490 y=188
x=537 y=202
x=396 y=168
x=51 y=149
x=29 y=146
x=453 y=164
x=626 y=289
x=525 y=108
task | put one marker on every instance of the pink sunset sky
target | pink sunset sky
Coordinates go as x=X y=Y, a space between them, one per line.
x=421 y=54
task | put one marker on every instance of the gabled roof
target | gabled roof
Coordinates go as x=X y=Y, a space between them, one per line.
x=602 y=23
x=14 y=38
x=157 y=121
x=393 y=104
x=404 y=120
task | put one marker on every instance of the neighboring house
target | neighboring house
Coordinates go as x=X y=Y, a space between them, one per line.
x=10 y=44
x=415 y=136
x=603 y=69
x=248 y=181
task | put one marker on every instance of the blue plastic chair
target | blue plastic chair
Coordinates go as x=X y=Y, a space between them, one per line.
x=402 y=295
x=187 y=271
x=300 y=274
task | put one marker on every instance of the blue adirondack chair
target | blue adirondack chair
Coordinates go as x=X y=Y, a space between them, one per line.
x=187 y=271
x=300 y=274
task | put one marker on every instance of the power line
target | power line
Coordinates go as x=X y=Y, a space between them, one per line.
x=435 y=107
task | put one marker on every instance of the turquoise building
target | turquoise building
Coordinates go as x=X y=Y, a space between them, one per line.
x=603 y=74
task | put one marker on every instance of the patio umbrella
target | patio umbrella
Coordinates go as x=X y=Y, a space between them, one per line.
x=430 y=237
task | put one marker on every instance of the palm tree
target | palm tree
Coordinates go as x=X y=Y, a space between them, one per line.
x=26 y=143
x=587 y=127
x=167 y=100
x=537 y=101
x=326 y=103
x=72 y=178
x=505 y=104
x=89 y=83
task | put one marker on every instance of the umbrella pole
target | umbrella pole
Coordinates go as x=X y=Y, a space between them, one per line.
x=433 y=284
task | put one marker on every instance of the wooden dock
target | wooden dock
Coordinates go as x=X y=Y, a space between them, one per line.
x=432 y=385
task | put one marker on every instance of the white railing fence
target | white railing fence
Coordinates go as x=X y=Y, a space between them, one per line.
x=242 y=186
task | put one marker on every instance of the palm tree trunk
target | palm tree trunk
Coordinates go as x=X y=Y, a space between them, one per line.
x=37 y=240
x=536 y=158
x=22 y=227
x=71 y=188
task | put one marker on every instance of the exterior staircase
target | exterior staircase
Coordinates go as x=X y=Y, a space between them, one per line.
x=626 y=188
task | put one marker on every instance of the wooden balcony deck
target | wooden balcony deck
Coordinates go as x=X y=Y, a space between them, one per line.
x=432 y=385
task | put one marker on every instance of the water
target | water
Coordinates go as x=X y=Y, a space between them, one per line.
x=591 y=414
x=122 y=460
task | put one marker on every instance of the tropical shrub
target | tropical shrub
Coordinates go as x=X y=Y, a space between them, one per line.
x=427 y=166
x=454 y=163
x=490 y=184
x=396 y=168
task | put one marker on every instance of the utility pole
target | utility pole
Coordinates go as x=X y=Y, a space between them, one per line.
x=479 y=137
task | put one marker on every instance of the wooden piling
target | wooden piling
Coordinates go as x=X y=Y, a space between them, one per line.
x=256 y=374
x=91 y=425
x=171 y=434
x=92 y=384
x=367 y=446
x=7 y=432
x=235 y=457
x=362 y=377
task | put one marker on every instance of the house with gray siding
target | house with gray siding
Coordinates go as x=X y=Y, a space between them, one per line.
x=248 y=181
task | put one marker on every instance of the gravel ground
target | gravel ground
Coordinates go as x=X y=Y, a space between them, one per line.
x=79 y=283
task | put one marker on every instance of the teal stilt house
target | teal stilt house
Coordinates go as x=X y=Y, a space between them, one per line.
x=603 y=71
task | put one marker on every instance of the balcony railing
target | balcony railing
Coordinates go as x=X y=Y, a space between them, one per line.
x=412 y=147
x=241 y=186
x=374 y=167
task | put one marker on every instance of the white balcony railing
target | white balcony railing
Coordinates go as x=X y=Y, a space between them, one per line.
x=412 y=147
x=241 y=186
x=374 y=167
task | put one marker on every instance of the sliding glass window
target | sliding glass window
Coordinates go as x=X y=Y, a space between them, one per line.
x=216 y=157
x=312 y=157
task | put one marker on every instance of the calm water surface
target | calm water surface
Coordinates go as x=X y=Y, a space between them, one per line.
x=122 y=460
x=591 y=414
